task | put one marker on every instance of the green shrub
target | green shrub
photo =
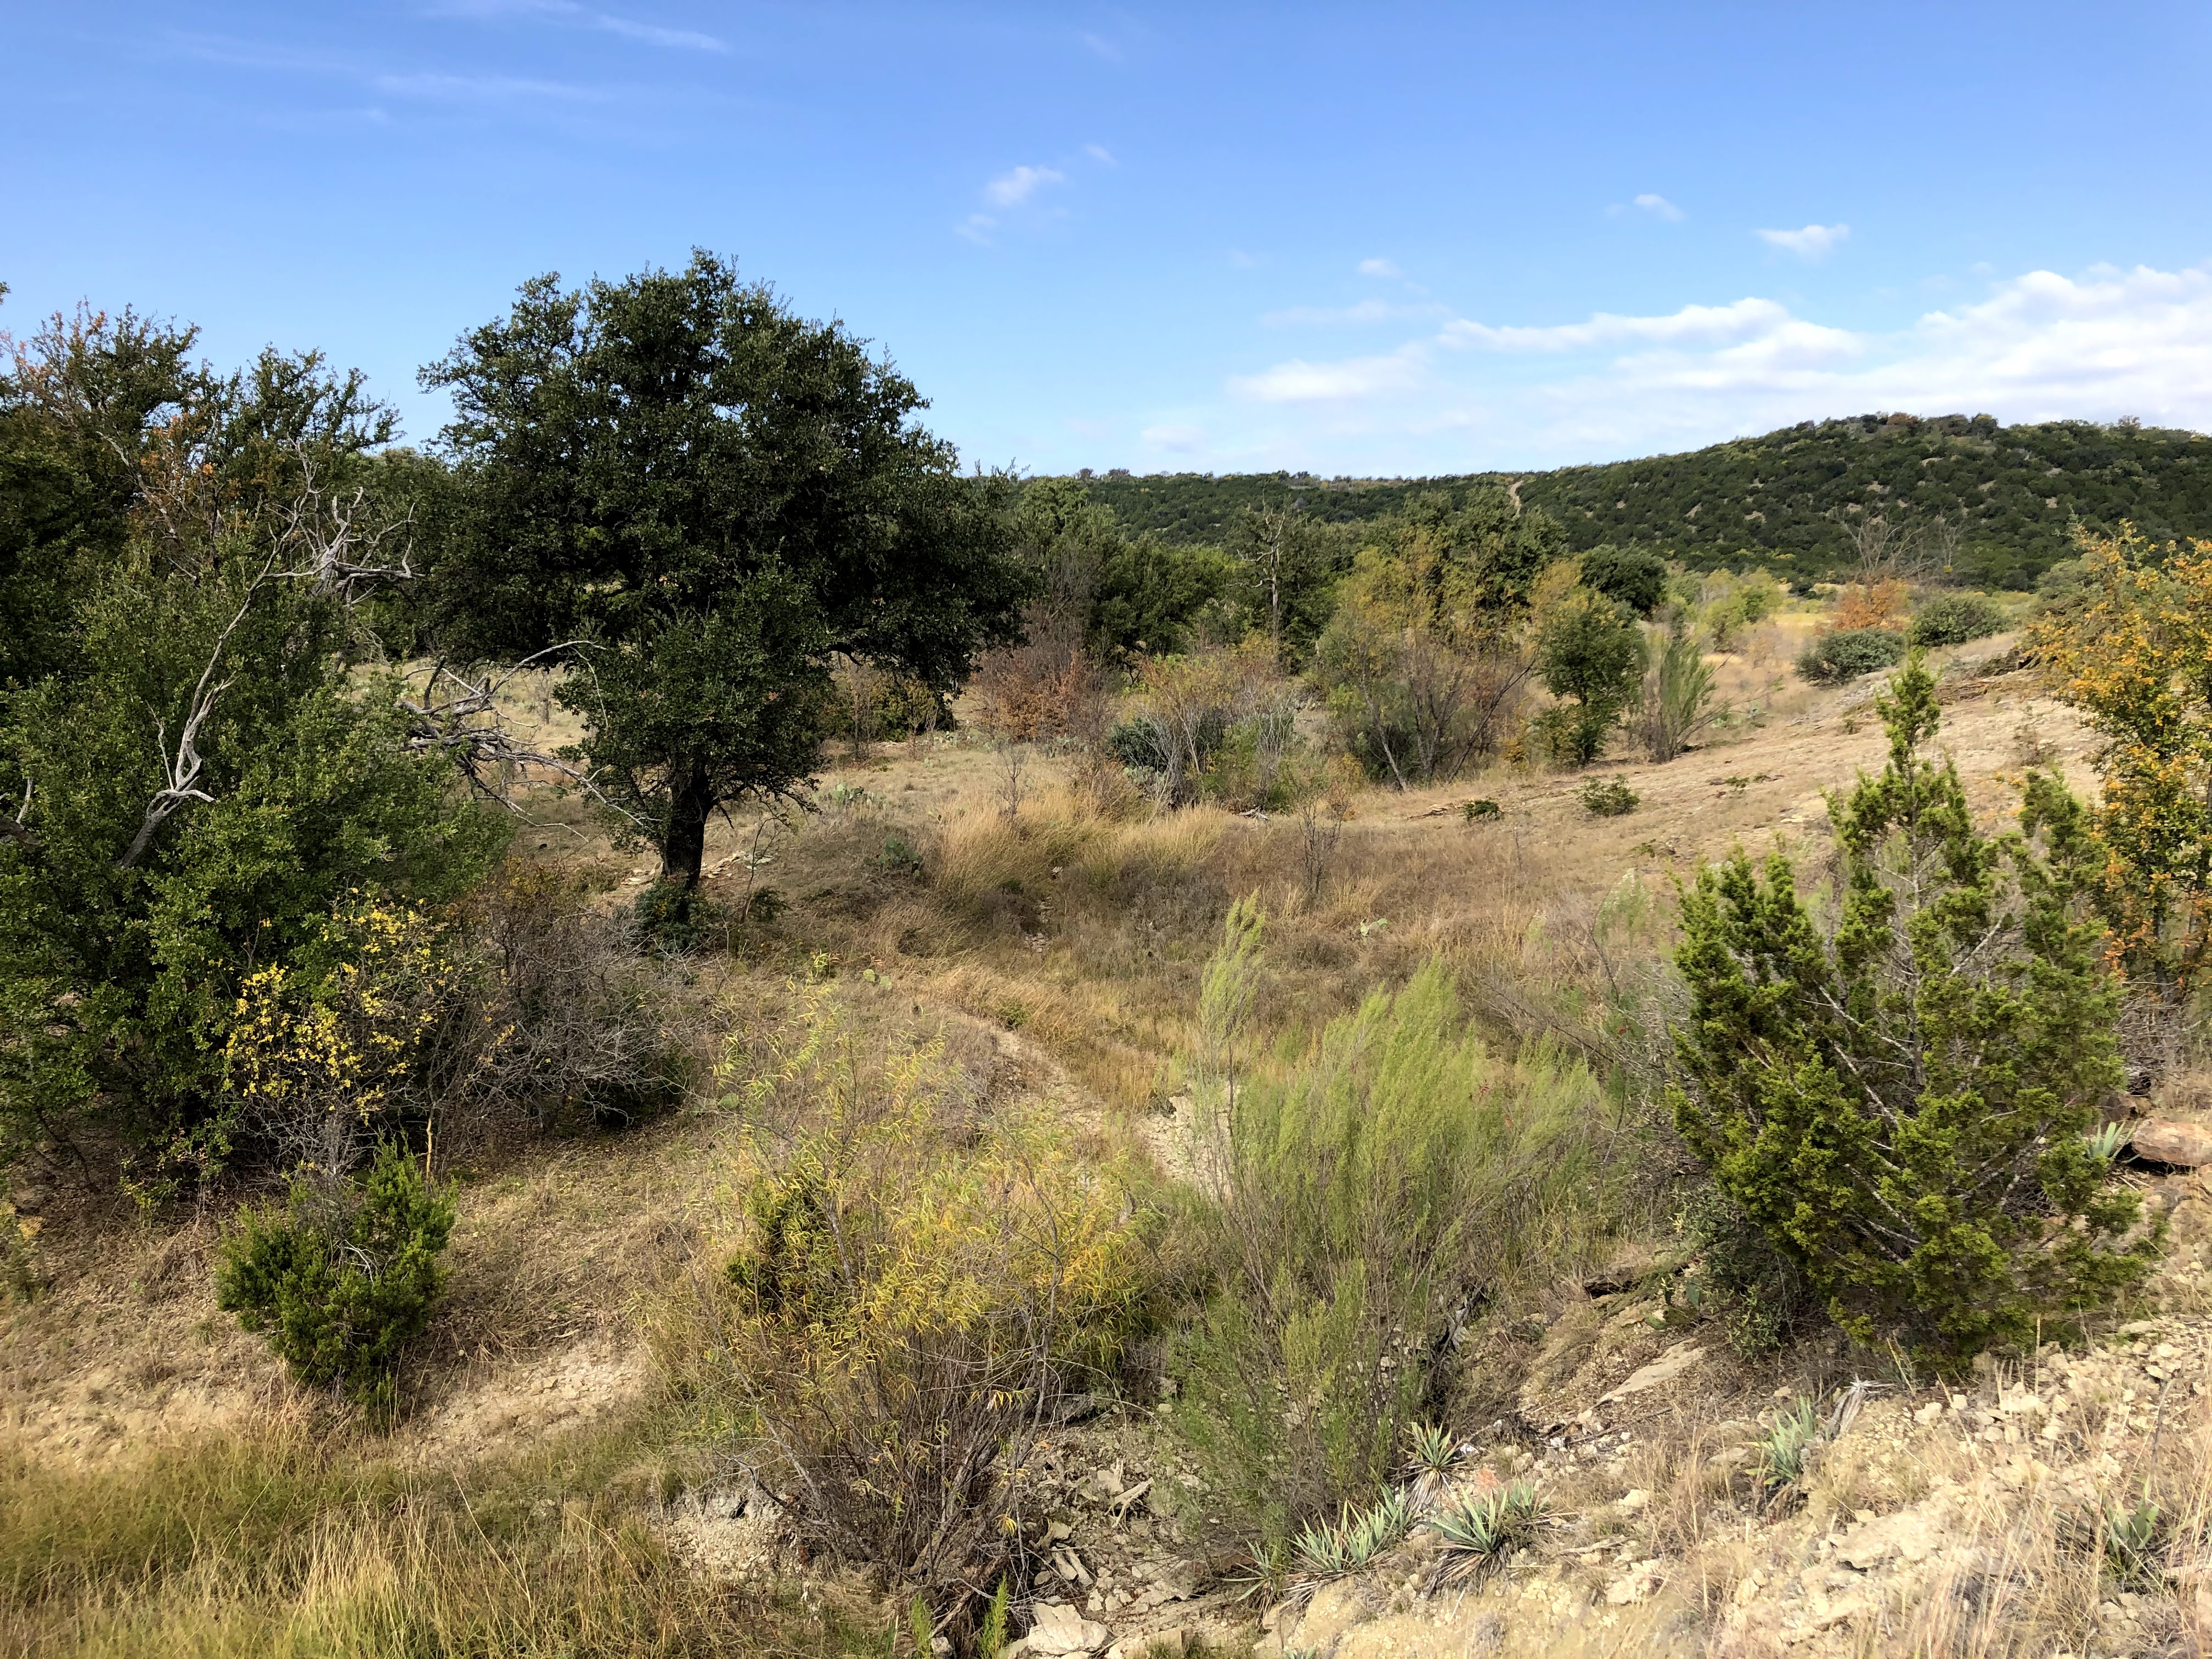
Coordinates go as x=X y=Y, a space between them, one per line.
x=1902 y=1103
x=1738 y=1277
x=1588 y=648
x=1955 y=618
x=670 y=917
x=1359 y=1208
x=1847 y=654
x=1608 y=797
x=341 y=1279
x=1682 y=698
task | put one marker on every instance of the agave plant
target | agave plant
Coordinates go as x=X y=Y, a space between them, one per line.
x=1480 y=1531
x=1435 y=1456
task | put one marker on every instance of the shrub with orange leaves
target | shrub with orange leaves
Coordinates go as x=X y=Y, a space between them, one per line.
x=2136 y=658
x=1871 y=604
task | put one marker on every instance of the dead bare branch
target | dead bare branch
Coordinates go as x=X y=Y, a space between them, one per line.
x=181 y=768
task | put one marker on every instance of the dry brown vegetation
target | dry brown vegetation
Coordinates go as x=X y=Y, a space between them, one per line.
x=535 y=1498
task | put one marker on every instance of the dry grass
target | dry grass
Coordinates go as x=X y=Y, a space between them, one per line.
x=276 y=1545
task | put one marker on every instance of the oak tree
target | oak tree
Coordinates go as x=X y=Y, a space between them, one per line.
x=715 y=497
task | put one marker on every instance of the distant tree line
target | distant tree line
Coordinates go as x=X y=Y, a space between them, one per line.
x=2002 y=501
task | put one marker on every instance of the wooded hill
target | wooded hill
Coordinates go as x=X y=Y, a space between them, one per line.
x=1785 y=501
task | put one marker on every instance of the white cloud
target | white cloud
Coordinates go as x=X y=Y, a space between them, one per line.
x=1468 y=394
x=1013 y=189
x=977 y=228
x=1660 y=206
x=1691 y=325
x=1354 y=379
x=1100 y=152
x=1814 y=242
x=1178 y=439
x=1380 y=268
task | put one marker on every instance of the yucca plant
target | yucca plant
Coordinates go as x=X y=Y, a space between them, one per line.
x=1786 y=1452
x=2106 y=1139
x=1434 y=1457
x=1481 y=1531
x=1323 y=1551
x=2135 y=1541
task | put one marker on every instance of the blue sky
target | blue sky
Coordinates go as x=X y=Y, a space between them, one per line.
x=1370 y=240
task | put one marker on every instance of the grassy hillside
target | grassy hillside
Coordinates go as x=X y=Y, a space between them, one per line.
x=1783 y=499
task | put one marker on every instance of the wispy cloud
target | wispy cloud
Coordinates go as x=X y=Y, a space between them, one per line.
x=1015 y=188
x=1659 y=207
x=573 y=14
x=1812 y=242
x=1379 y=268
x=2039 y=346
x=1100 y=152
x=481 y=88
x=977 y=228
x=1367 y=312
x=1691 y=325
x=1176 y=439
x=653 y=35
x=1099 y=46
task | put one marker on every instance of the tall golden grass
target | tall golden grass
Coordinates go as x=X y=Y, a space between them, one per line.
x=283 y=1545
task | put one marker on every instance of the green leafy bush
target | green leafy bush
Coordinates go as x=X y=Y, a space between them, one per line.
x=1589 y=648
x=1359 y=1208
x=1901 y=1104
x=1608 y=797
x=1851 y=653
x=1738 y=1277
x=1955 y=618
x=340 y=1279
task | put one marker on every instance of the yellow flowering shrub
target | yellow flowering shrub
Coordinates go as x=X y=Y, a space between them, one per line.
x=918 y=1283
x=2136 y=658
x=326 y=1048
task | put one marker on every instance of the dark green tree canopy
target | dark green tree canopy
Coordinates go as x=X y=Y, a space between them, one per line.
x=1636 y=576
x=715 y=495
x=1098 y=587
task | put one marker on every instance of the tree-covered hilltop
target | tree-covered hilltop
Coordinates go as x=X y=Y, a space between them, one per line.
x=1786 y=500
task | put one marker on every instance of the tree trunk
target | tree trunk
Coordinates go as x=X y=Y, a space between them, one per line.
x=685 y=846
